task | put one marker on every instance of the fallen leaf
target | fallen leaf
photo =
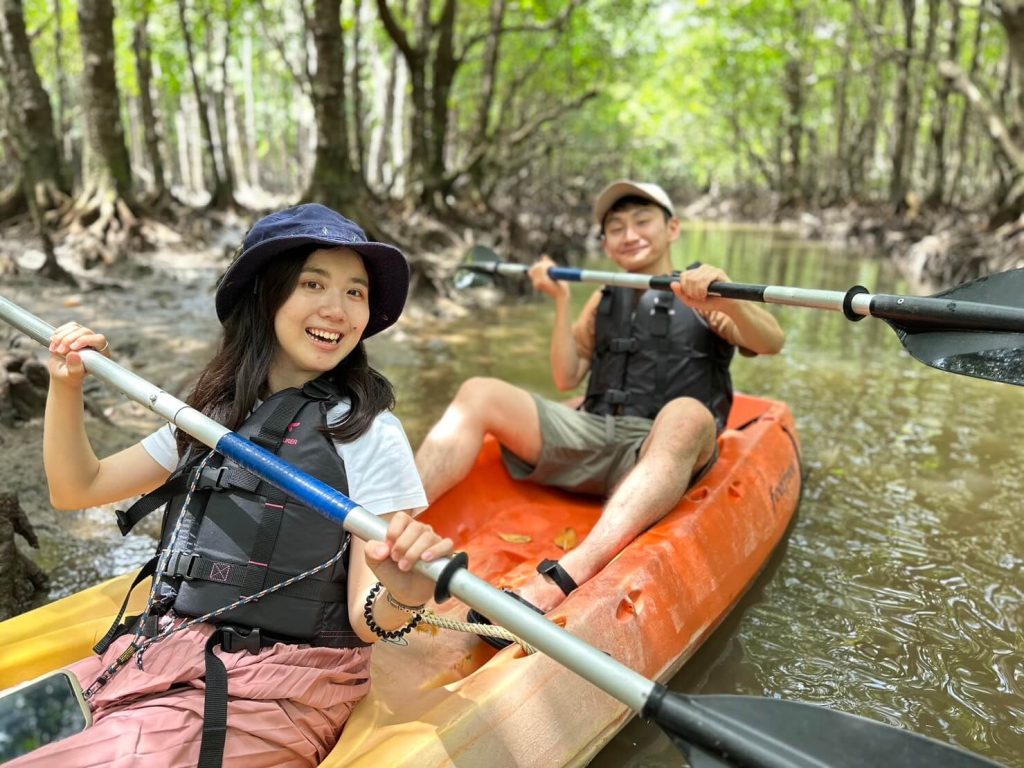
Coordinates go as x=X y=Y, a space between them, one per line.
x=73 y=301
x=516 y=538
x=567 y=539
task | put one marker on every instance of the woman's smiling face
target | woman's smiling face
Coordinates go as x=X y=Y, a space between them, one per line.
x=322 y=320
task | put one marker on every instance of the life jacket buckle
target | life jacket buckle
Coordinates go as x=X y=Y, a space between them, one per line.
x=616 y=397
x=182 y=564
x=210 y=478
x=236 y=639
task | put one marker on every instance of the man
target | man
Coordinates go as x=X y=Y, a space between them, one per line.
x=659 y=391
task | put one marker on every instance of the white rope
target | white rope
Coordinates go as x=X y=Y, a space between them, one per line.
x=490 y=630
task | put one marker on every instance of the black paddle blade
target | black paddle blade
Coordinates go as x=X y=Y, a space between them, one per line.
x=981 y=354
x=467 y=276
x=772 y=733
x=995 y=356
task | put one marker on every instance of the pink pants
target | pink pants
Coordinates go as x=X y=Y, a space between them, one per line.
x=286 y=706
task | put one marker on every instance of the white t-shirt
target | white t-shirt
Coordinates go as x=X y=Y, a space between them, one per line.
x=382 y=476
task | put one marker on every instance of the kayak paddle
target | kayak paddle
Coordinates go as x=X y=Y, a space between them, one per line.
x=712 y=730
x=975 y=329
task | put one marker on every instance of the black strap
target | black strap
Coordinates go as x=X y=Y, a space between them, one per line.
x=215 y=707
x=258 y=569
x=115 y=629
x=273 y=429
x=554 y=571
x=189 y=565
x=662 y=342
x=215 y=702
x=212 y=477
x=176 y=485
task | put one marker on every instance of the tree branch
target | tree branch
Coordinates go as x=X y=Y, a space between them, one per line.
x=983 y=106
x=553 y=24
x=278 y=45
x=395 y=31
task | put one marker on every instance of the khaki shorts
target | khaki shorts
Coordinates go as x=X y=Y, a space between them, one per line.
x=581 y=452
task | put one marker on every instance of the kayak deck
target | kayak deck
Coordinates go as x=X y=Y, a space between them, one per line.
x=448 y=698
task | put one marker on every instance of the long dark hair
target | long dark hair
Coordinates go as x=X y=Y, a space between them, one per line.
x=231 y=383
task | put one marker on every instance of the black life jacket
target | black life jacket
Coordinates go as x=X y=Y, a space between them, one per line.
x=653 y=350
x=241 y=535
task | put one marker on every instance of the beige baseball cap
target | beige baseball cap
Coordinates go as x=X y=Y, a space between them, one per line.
x=626 y=188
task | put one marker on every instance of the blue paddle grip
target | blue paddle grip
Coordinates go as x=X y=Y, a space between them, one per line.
x=565 y=273
x=326 y=500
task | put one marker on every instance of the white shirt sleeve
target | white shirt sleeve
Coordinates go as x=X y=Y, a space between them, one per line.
x=162 y=447
x=382 y=476
x=381 y=470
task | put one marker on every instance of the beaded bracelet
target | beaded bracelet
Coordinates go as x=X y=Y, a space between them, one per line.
x=386 y=634
x=402 y=606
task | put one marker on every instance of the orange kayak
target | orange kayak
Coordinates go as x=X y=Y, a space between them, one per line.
x=447 y=698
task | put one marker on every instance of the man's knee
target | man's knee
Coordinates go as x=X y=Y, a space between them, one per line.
x=476 y=392
x=493 y=402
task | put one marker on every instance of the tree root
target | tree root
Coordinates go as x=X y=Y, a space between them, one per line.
x=21 y=580
x=102 y=227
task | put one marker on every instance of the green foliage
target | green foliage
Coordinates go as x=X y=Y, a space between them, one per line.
x=691 y=92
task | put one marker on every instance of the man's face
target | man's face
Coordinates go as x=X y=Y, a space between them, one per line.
x=638 y=238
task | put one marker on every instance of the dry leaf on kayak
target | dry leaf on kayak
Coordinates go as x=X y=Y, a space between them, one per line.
x=516 y=538
x=567 y=539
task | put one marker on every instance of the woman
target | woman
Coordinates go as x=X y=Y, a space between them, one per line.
x=304 y=603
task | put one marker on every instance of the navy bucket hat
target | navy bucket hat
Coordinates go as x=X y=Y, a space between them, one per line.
x=315 y=224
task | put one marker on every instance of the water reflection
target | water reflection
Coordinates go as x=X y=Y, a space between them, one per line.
x=899 y=595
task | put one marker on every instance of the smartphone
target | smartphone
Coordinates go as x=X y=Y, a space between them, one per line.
x=40 y=711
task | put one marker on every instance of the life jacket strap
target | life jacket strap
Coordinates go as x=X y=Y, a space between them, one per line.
x=191 y=566
x=116 y=629
x=231 y=639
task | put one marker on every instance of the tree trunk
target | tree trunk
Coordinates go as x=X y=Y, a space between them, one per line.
x=30 y=117
x=937 y=193
x=226 y=196
x=333 y=181
x=962 y=129
x=102 y=214
x=416 y=57
x=489 y=78
x=150 y=124
x=358 y=149
x=220 y=194
x=107 y=163
x=862 y=155
x=445 y=66
x=382 y=70
x=249 y=123
x=841 y=153
x=897 y=181
x=60 y=75
x=792 y=194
